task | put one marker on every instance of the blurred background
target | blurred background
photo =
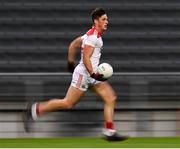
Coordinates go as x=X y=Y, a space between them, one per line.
x=142 y=44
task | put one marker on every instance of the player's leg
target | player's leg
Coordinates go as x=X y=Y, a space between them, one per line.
x=34 y=110
x=76 y=90
x=106 y=92
x=72 y=97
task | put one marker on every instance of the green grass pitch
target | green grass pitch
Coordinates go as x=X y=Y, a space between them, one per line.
x=173 y=142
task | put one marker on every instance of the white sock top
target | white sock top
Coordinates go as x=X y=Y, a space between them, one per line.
x=108 y=132
x=33 y=112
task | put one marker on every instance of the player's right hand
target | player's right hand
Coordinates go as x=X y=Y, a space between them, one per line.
x=98 y=77
x=71 y=66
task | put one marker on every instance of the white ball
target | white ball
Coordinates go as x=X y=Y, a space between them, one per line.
x=105 y=69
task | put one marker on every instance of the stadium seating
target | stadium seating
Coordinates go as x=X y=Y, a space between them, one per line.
x=142 y=44
x=141 y=33
x=143 y=36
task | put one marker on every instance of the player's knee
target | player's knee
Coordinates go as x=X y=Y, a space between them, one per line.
x=112 y=99
x=68 y=105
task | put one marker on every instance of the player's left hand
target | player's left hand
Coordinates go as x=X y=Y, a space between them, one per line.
x=98 y=77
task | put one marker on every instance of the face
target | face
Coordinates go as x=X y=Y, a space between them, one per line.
x=102 y=22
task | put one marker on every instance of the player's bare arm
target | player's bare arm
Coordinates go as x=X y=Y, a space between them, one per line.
x=74 y=45
x=87 y=53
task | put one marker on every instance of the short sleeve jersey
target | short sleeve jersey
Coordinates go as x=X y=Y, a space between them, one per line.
x=92 y=38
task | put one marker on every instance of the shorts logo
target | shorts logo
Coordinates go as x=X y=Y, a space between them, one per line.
x=83 y=86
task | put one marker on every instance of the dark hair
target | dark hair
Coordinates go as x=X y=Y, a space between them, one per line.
x=97 y=13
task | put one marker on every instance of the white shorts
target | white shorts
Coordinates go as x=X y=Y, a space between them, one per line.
x=81 y=79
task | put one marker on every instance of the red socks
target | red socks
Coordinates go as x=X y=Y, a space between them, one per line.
x=37 y=109
x=109 y=125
